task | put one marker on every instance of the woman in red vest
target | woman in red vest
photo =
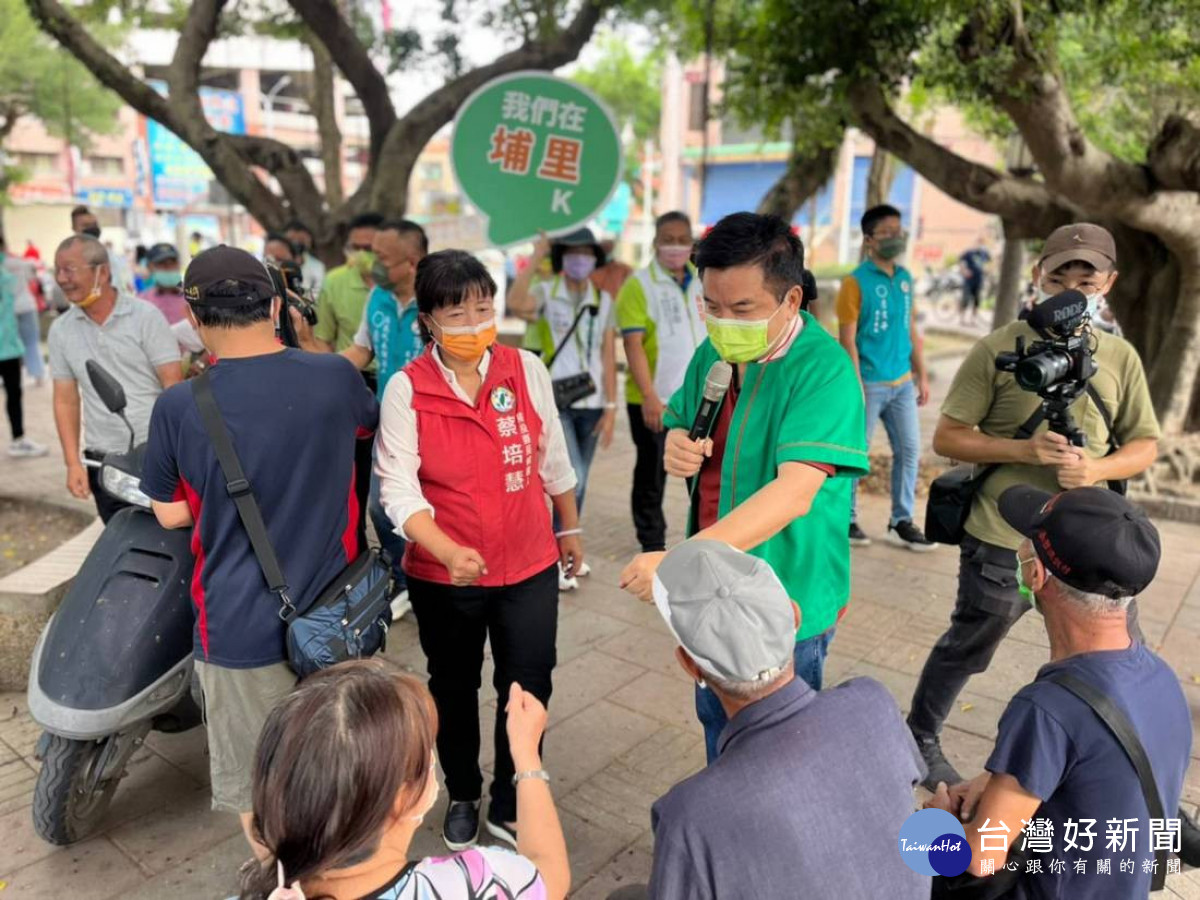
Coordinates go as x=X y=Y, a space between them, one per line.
x=469 y=447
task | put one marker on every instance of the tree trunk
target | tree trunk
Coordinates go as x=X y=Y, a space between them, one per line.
x=880 y=177
x=324 y=111
x=806 y=173
x=1012 y=273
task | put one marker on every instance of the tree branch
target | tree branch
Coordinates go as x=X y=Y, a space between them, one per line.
x=1032 y=210
x=198 y=32
x=804 y=176
x=1174 y=155
x=415 y=130
x=331 y=28
x=289 y=170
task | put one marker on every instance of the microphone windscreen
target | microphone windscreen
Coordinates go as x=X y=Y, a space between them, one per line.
x=1062 y=313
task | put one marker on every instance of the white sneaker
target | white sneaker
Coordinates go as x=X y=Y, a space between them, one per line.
x=565 y=583
x=400 y=605
x=25 y=448
x=584 y=571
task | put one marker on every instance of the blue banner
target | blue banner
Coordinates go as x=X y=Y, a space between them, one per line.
x=114 y=198
x=178 y=173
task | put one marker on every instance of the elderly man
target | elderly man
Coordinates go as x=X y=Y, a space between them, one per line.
x=129 y=338
x=810 y=789
x=1058 y=767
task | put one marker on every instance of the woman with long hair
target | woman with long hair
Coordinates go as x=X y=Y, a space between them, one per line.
x=343 y=777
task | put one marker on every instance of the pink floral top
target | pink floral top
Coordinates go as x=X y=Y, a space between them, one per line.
x=481 y=873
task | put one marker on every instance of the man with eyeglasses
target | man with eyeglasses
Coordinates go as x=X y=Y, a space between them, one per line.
x=129 y=337
x=878 y=328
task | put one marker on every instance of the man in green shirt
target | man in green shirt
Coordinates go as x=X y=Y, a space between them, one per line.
x=345 y=290
x=982 y=412
x=773 y=477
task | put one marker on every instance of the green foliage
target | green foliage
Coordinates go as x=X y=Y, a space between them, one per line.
x=38 y=79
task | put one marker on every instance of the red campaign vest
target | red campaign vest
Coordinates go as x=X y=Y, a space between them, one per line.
x=479 y=471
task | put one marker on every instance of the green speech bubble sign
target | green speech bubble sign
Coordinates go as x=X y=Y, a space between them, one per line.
x=535 y=153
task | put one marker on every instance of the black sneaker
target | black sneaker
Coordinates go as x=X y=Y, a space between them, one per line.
x=937 y=764
x=460 y=829
x=858 y=537
x=501 y=831
x=906 y=534
x=1189 y=840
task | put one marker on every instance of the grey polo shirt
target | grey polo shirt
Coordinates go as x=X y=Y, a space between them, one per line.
x=806 y=800
x=131 y=344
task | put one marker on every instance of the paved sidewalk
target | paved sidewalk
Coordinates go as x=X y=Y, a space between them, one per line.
x=622 y=725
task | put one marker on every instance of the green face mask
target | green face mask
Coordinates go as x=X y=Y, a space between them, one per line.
x=890 y=248
x=1022 y=588
x=379 y=275
x=168 y=278
x=739 y=340
x=362 y=261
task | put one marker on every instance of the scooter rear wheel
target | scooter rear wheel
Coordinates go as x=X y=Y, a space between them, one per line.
x=71 y=796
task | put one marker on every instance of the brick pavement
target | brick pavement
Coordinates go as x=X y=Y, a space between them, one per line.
x=622 y=727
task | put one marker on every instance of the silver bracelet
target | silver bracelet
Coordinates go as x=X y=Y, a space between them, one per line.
x=610 y=406
x=568 y=532
x=539 y=774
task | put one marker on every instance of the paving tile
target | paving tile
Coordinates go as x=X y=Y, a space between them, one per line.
x=581 y=630
x=666 y=757
x=631 y=866
x=19 y=843
x=17 y=779
x=662 y=697
x=95 y=868
x=579 y=747
x=587 y=678
x=650 y=649
x=592 y=847
x=175 y=832
x=209 y=875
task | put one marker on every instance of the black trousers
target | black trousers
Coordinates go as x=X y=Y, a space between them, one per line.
x=106 y=506
x=521 y=621
x=363 y=461
x=10 y=373
x=987 y=606
x=649 y=483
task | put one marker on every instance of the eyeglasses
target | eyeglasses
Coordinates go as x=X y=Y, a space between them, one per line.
x=70 y=271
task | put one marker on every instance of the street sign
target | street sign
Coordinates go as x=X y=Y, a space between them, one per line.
x=535 y=153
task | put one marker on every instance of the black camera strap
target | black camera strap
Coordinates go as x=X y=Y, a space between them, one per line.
x=1024 y=433
x=1113 y=444
x=238 y=488
x=583 y=310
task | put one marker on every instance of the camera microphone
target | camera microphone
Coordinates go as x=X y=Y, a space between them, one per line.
x=716 y=383
x=1059 y=315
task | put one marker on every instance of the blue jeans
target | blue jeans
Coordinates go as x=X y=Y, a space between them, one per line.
x=579 y=427
x=896 y=405
x=809 y=660
x=391 y=542
x=27 y=327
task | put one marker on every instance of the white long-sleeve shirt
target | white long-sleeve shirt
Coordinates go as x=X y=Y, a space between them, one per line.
x=397 y=456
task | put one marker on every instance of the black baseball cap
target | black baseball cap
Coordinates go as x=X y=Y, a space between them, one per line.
x=161 y=253
x=226 y=276
x=1090 y=537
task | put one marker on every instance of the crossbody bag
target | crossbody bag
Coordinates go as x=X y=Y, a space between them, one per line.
x=1004 y=882
x=349 y=618
x=570 y=390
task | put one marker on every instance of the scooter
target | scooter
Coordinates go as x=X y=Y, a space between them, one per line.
x=115 y=660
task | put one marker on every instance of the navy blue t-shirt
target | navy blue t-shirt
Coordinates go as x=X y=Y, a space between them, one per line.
x=1060 y=751
x=294 y=418
x=975 y=259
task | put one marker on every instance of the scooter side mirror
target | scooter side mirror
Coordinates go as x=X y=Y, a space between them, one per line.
x=110 y=390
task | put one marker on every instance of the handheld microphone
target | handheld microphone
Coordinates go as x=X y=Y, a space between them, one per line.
x=716 y=383
x=1060 y=315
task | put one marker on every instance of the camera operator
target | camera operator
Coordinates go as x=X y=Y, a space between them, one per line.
x=983 y=411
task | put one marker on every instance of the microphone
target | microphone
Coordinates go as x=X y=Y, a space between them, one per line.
x=716 y=383
x=1060 y=315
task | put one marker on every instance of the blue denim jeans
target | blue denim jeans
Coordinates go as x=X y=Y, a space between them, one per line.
x=27 y=327
x=579 y=427
x=809 y=660
x=388 y=539
x=896 y=405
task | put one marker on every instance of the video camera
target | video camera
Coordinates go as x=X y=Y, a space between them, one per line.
x=1058 y=366
x=289 y=284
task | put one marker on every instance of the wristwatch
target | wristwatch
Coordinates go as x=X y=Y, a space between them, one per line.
x=540 y=774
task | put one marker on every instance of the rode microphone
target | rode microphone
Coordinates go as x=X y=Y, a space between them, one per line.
x=716 y=383
x=1060 y=315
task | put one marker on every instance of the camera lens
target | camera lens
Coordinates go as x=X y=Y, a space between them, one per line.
x=1036 y=373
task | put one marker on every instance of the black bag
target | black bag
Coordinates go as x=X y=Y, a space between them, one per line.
x=570 y=390
x=1003 y=883
x=349 y=618
x=952 y=493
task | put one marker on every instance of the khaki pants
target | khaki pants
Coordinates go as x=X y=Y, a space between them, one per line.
x=236 y=705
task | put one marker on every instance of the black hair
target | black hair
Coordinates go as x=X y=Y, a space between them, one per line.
x=810 y=289
x=744 y=239
x=673 y=216
x=448 y=278
x=877 y=214
x=404 y=227
x=283 y=239
x=365 y=220
x=557 y=251
x=297 y=225
x=79 y=211
x=233 y=317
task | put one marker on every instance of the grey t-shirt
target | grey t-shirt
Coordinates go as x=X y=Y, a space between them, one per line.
x=806 y=800
x=131 y=344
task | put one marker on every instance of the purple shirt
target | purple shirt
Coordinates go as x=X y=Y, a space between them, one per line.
x=806 y=800
x=170 y=303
